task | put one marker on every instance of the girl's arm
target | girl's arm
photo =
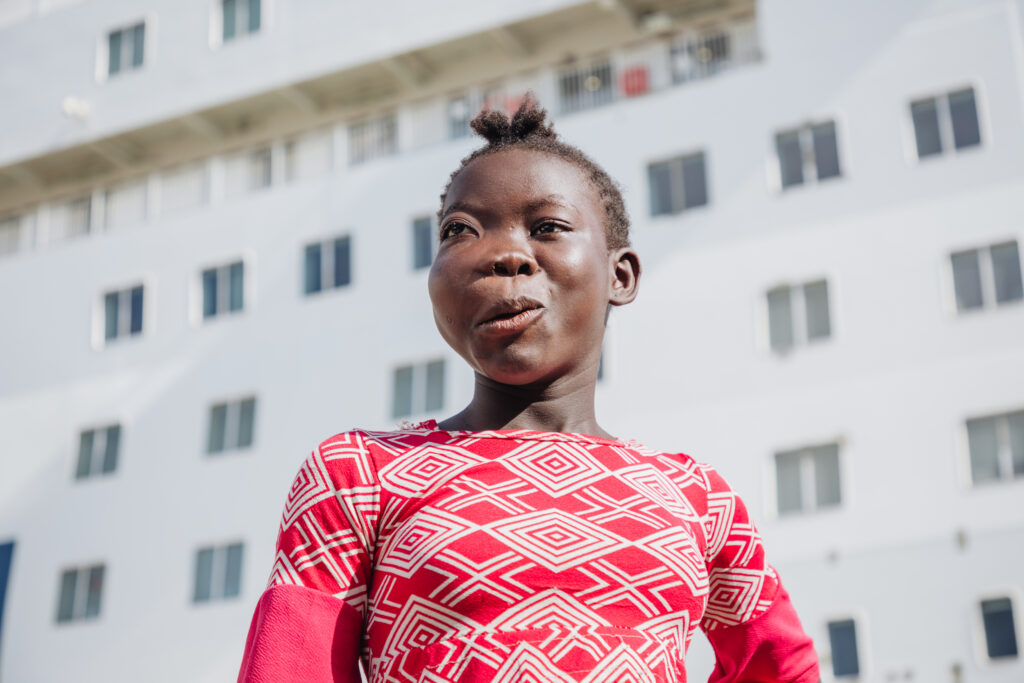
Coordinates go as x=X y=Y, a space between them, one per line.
x=749 y=619
x=308 y=624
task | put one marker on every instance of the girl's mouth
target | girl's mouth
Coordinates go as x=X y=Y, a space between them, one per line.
x=510 y=322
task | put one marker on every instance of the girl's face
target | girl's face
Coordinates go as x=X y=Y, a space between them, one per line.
x=523 y=275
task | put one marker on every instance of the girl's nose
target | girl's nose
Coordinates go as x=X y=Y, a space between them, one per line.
x=507 y=255
x=513 y=263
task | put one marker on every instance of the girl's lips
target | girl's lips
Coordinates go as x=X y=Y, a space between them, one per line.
x=512 y=324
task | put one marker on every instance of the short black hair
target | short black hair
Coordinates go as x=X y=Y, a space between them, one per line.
x=528 y=130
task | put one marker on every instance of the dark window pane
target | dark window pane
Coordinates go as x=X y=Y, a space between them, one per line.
x=94 y=592
x=791 y=159
x=826 y=151
x=780 y=319
x=926 y=127
x=110 y=306
x=787 y=482
x=209 y=293
x=204 y=575
x=342 y=262
x=6 y=556
x=695 y=189
x=1015 y=423
x=246 y=420
x=233 y=571
x=84 y=454
x=1006 y=270
x=254 y=16
x=826 y=475
x=114 y=53
x=401 y=400
x=313 y=259
x=1000 y=633
x=964 y=113
x=112 y=449
x=435 y=386
x=66 y=601
x=842 y=636
x=659 y=178
x=135 y=321
x=967 y=279
x=819 y=325
x=983 y=443
x=422 y=242
x=218 y=425
x=229 y=13
x=237 y=278
x=138 y=45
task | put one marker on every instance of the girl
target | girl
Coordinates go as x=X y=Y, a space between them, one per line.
x=518 y=540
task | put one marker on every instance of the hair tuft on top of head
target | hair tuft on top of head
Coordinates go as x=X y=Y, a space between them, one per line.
x=528 y=122
x=528 y=129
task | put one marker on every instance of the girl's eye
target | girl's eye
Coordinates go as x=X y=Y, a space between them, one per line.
x=549 y=228
x=452 y=229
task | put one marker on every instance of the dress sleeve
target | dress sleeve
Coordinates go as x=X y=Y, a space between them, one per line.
x=308 y=623
x=749 y=619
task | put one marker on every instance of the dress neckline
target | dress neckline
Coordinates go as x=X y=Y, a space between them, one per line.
x=523 y=434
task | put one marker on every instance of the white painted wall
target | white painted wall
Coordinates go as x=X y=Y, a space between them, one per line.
x=687 y=368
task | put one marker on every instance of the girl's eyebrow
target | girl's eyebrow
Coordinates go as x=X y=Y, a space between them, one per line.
x=550 y=200
x=461 y=206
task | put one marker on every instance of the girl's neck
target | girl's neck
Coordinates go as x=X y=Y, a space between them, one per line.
x=563 y=406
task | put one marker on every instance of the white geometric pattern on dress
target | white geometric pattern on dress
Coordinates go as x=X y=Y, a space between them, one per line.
x=519 y=555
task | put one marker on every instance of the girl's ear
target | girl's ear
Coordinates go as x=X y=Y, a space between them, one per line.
x=625 y=271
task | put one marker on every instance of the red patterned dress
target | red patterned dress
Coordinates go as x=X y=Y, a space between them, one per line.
x=427 y=555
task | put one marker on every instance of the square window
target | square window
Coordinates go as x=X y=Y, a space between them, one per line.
x=1000 y=630
x=218 y=573
x=223 y=290
x=945 y=122
x=98 y=451
x=987 y=276
x=239 y=18
x=417 y=389
x=460 y=111
x=122 y=313
x=231 y=425
x=996 y=447
x=842 y=637
x=422 y=242
x=677 y=184
x=80 y=593
x=810 y=153
x=798 y=314
x=327 y=265
x=807 y=479
x=126 y=49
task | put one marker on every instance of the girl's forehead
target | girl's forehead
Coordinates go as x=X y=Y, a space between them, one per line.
x=521 y=171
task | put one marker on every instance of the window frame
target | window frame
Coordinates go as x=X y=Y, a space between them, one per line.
x=80 y=593
x=807 y=475
x=248 y=261
x=805 y=137
x=232 y=425
x=1013 y=594
x=1004 y=453
x=677 y=172
x=798 y=314
x=219 y=560
x=102 y=67
x=432 y=238
x=99 y=318
x=216 y=24
x=987 y=275
x=419 y=387
x=947 y=143
x=327 y=264
x=97 y=457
